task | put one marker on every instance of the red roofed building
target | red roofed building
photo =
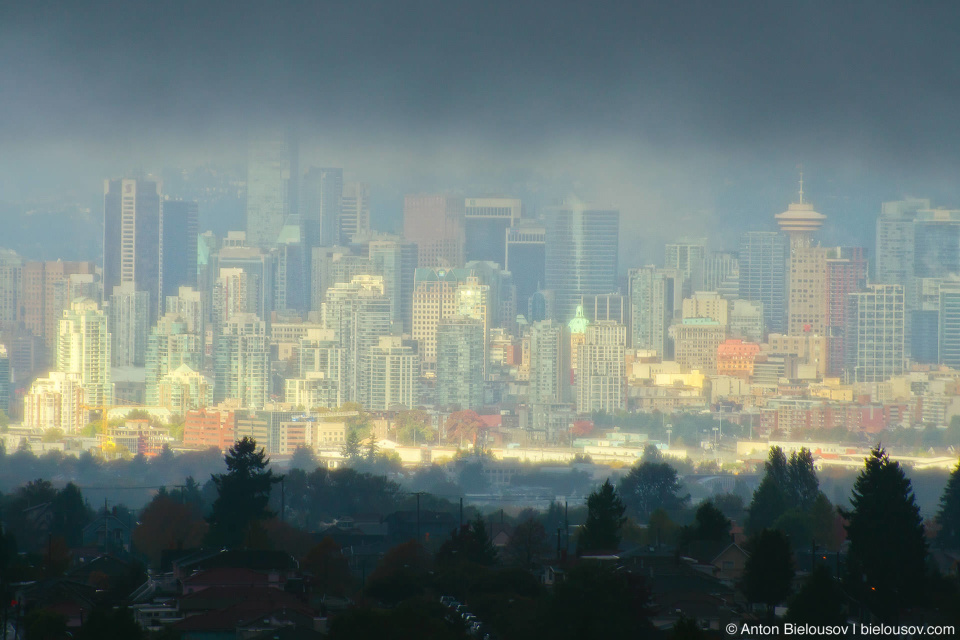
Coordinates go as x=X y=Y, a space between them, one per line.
x=735 y=358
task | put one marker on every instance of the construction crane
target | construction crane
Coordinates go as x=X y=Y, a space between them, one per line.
x=104 y=411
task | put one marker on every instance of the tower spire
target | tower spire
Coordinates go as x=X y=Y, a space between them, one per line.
x=801 y=184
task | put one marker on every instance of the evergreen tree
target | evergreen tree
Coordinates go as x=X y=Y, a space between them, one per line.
x=769 y=571
x=471 y=543
x=804 y=485
x=887 y=554
x=819 y=601
x=948 y=517
x=351 y=445
x=605 y=517
x=709 y=525
x=774 y=495
x=304 y=458
x=242 y=494
x=650 y=486
x=777 y=468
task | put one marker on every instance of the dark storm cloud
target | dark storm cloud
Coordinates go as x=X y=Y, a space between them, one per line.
x=731 y=72
x=661 y=106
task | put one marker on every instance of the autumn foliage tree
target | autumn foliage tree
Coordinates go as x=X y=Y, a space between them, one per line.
x=327 y=568
x=463 y=426
x=167 y=523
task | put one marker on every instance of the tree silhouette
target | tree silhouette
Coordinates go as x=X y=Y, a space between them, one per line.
x=402 y=573
x=601 y=531
x=804 y=487
x=242 y=494
x=709 y=525
x=948 y=516
x=769 y=571
x=819 y=601
x=887 y=554
x=650 y=486
x=471 y=543
x=327 y=567
x=786 y=485
x=527 y=544
x=167 y=523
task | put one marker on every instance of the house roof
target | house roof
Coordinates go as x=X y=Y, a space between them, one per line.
x=245 y=558
x=220 y=597
x=236 y=615
x=226 y=576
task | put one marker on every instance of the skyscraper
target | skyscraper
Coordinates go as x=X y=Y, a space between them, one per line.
x=936 y=237
x=695 y=343
x=720 y=268
x=434 y=298
x=272 y=180
x=875 y=334
x=358 y=312
x=132 y=238
x=601 y=369
x=895 y=253
x=394 y=375
x=241 y=362
x=11 y=274
x=289 y=281
x=436 y=224
x=258 y=265
x=170 y=345
x=655 y=299
x=687 y=257
x=179 y=247
x=806 y=269
x=549 y=364
x=526 y=259
x=129 y=325
x=190 y=305
x=763 y=278
x=354 y=212
x=846 y=273
x=4 y=381
x=460 y=363
x=321 y=205
x=83 y=348
x=948 y=325
x=396 y=261
x=582 y=246
x=487 y=221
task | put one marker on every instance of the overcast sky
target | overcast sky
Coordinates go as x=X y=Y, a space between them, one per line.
x=698 y=112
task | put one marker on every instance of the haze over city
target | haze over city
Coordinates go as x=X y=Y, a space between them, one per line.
x=494 y=320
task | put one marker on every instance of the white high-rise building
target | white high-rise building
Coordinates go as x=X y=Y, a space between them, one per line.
x=242 y=362
x=460 y=362
x=55 y=401
x=601 y=368
x=874 y=339
x=394 y=375
x=358 y=312
x=171 y=345
x=189 y=305
x=549 y=368
x=83 y=347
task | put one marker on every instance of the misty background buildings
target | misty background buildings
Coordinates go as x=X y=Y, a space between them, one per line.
x=537 y=314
